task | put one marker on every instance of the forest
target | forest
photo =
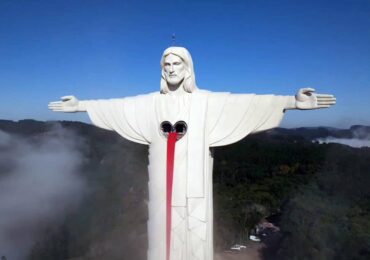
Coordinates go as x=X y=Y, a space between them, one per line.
x=317 y=193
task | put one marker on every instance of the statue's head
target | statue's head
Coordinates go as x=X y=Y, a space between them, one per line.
x=177 y=67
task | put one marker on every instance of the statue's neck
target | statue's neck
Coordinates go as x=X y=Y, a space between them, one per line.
x=177 y=90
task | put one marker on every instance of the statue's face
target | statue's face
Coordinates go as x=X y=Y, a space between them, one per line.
x=174 y=69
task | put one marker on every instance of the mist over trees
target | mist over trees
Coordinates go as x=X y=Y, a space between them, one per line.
x=319 y=193
x=39 y=184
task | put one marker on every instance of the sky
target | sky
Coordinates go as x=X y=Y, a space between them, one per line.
x=108 y=49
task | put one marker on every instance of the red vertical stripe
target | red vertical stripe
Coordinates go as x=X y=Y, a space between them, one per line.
x=171 y=143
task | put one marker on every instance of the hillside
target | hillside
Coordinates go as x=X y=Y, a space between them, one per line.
x=317 y=193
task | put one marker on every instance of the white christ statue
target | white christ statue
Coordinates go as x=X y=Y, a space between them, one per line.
x=203 y=119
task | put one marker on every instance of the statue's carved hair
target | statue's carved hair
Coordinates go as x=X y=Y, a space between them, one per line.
x=189 y=79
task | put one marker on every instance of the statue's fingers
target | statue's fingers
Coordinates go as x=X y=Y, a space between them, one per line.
x=305 y=90
x=326 y=100
x=55 y=105
x=65 y=98
x=56 y=109
x=325 y=96
x=326 y=103
x=323 y=106
x=56 y=102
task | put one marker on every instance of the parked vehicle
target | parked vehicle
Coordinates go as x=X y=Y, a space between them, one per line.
x=237 y=247
x=254 y=238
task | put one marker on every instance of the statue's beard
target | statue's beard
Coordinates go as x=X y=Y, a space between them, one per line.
x=173 y=86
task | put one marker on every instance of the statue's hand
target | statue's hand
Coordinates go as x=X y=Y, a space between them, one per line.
x=67 y=104
x=307 y=99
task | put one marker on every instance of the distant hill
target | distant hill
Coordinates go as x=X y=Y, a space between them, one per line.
x=312 y=133
x=30 y=126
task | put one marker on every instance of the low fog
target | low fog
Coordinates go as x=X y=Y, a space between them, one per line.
x=360 y=138
x=39 y=185
x=353 y=142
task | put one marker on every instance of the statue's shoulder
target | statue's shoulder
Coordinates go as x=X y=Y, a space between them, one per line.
x=147 y=96
x=207 y=92
x=210 y=94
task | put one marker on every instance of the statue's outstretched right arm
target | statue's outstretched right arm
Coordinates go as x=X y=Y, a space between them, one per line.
x=130 y=117
x=68 y=104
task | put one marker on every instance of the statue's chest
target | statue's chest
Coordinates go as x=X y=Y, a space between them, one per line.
x=173 y=109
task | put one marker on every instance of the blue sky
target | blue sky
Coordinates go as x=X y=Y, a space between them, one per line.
x=104 y=49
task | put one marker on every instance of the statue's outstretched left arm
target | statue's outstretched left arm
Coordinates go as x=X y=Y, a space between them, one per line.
x=307 y=99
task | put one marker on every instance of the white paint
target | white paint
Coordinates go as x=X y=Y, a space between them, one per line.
x=213 y=119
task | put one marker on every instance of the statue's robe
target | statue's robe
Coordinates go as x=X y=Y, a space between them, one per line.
x=213 y=119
